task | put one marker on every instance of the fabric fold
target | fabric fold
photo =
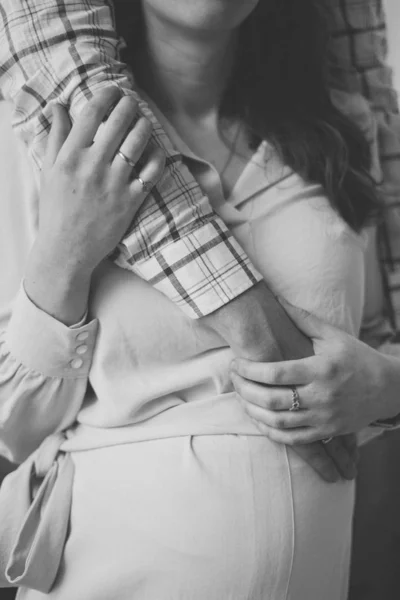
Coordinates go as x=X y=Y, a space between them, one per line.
x=35 y=505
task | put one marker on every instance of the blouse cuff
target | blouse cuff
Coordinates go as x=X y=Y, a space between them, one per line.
x=41 y=343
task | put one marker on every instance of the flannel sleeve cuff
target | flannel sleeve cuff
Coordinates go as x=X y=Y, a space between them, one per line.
x=43 y=344
x=200 y=272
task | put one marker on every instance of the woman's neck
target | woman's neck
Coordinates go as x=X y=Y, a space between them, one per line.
x=184 y=72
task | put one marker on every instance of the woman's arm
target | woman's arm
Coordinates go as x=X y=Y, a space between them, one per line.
x=43 y=377
x=87 y=197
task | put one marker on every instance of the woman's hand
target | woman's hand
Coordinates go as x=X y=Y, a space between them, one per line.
x=89 y=197
x=346 y=386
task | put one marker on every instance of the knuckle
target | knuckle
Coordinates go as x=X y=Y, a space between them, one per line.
x=330 y=369
x=67 y=164
x=277 y=374
x=93 y=110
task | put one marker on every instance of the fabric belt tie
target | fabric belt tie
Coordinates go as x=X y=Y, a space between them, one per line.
x=35 y=506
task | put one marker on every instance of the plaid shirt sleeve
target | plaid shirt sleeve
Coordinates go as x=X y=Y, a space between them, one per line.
x=365 y=91
x=65 y=51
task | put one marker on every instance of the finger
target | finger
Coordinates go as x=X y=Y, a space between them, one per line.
x=116 y=129
x=88 y=122
x=316 y=456
x=289 y=437
x=60 y=129
x=268 y=397
x=282 y=420
x=289 y=372
x=151 y=173
x=351 y=444
x=342 y=458
x=133 y=148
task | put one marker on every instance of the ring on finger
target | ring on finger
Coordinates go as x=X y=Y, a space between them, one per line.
x=146 y=185
x=126 y=159
x=295 y=400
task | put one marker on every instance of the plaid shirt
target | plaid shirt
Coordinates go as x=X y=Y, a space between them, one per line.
x=64 y=50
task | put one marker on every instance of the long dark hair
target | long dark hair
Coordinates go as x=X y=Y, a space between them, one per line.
x=279 y=88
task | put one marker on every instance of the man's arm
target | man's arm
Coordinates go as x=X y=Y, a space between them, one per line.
x=65 y=52
x=61 y=51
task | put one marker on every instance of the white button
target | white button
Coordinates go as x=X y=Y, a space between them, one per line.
x=76 y=363
x=82 y=336
x=82 y=349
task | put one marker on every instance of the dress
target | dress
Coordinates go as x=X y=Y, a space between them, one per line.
x=176 y=494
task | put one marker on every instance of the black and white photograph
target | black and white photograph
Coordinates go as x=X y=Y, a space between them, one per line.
x=199 y=299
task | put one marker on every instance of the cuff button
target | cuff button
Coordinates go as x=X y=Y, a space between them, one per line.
x=82 y=349
x=81 y=337
x=76 y=363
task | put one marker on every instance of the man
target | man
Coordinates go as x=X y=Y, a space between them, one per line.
x=63 y=51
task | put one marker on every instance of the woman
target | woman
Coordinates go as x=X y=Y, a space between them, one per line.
x=175 y=491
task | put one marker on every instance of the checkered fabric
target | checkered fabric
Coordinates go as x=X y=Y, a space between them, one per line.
x=65 y=51
x=177 y=242
x=364 y=90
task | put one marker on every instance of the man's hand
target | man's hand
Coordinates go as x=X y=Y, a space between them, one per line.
x=257 y=327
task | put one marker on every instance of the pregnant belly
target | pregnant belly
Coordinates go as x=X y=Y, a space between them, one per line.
x=195 y=517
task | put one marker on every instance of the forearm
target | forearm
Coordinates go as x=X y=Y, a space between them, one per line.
x=177 y=242
x=43 y=379
x=60 y=290
x=268 y=336
x=190 y=256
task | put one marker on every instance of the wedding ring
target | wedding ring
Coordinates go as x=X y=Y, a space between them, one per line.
x=145 y=185
x=126 y=159
x=295 y=400
x=327 y=440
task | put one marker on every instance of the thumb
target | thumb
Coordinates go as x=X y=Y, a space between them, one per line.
x=309 y=324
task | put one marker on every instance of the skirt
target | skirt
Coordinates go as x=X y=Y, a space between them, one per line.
x=222 y=517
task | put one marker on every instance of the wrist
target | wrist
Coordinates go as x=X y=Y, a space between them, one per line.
x=60 y=288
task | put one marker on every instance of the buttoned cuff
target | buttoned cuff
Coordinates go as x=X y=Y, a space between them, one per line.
x=200 y=272
x=41 y=343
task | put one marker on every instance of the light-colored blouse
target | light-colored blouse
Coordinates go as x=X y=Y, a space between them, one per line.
x=139 y=369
